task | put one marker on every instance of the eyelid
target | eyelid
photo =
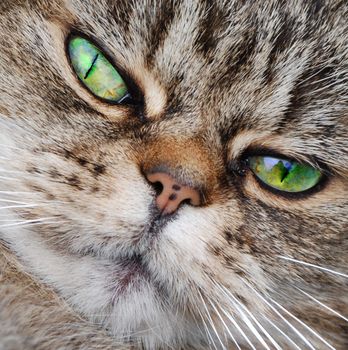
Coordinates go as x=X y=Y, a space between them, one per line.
x=270 y=152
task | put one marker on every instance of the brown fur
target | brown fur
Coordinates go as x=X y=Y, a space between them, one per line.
x=218 y=81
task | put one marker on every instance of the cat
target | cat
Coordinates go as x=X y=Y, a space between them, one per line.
x=201 y=204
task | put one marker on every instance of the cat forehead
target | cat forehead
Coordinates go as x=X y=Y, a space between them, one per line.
x=269 y=68
x=276 y=61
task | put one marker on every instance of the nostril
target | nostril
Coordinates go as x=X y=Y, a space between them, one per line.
x=187 y=201
x=158 y=187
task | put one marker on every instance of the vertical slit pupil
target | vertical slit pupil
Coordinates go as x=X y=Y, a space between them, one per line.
x=90 y=68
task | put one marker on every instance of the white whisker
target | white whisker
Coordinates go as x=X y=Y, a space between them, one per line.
x=39 y=223
x=276 y=345
x=12 y=171
x=9 y=178
x=312 y=265
x=282 y=317
x=19 y=206
x=11 y=147
x=17 y=192
x=281 y=332
x=210 y=338
x=25 y=222
x=323 y=305
x=158 y=336
x=245 y=318
x=225 y=325
x=11 y=201
x=234 y=322
x=8 y=220
x=303 y=324
x=211 y=321
x=198 y=325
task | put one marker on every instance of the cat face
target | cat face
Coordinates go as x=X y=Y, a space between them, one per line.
x=211 y=86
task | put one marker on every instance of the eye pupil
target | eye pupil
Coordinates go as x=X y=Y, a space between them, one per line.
x=92 y=65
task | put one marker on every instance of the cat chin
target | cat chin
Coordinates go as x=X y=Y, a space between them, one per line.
x=130 y=309
x=135 y=299
x=140 y=316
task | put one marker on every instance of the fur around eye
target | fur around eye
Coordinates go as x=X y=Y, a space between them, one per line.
x=94 y=70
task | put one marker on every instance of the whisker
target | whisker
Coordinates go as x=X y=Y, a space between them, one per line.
x=9 y=178
x=39 y=223
x=223 y=322
x=234 y=322
x=211 y=321
x=281 y=332
x=245 y=318
x=17 y=192
x=12 y=171
x=8 y=220
x=323 y=305
x=194 y=319
x=210 y=338
x=159 y=337
x=256 y=321
x=26 y=222
x=11 y=201
x=11 y=147
x=20 y=206
x=312 y=265
x=303 y=324
x=282 y=317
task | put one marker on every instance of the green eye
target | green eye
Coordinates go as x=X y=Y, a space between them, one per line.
x=283 y=174
x=95 y=71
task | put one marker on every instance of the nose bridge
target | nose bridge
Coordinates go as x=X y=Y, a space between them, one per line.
x=188 y=160
x=185 y=168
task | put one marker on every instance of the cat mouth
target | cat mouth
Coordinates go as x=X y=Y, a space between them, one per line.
x=132 y=273
x=132 y=270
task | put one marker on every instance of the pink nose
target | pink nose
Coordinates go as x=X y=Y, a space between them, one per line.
x=173 y=193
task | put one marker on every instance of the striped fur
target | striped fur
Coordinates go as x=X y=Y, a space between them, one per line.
x=219 y=79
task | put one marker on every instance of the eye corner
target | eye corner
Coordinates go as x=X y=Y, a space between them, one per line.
x=238 y=167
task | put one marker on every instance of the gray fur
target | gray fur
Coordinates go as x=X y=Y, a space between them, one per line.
x=218 y=79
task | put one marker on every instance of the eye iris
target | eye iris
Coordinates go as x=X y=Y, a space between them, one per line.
x=95 y=71
x=284 y=175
